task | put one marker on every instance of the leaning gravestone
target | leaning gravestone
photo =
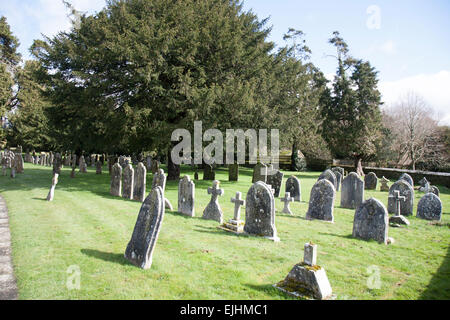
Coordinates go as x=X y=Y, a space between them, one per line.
x=352 y=193
x=293 y=187
x=321 y=201
x=233 y=172
x=275 y=181
x=145 y=234
x=186 y=196
x=371 y=221
x=407 y=178
x=259 y=173
x=116 y=180
x=140 y=180
x=370 y=181
x=330 y=176
x=429 y=207
x=260 y=212
x=128 y=182
x=209 y=173
x=406 y=190
x=213 y=210
x=51 y=193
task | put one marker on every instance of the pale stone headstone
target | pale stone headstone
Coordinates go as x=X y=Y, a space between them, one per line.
x=330 y=176
x=321 y=201
x=260 y=212
x=434 y=190
x=145 y=234
x=140 y=181
x=339 y=178
x=233 y=172
x=236 y=225
x=384 y=184
x=429 y=207
x=213 y=210
x=148 y=163
x=275 y=180
x=407 y=178
x=186 y=196
x=51 y=193
x=127 y=182
x=260 y=173
x=370 y=181
x=371 y=221
x=287 y=200
x=293 y=187
x=397 y=219
x=406 y=190
x=352 y=193
x=116 y=180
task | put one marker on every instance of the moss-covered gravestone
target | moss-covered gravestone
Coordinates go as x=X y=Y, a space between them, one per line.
x=352 y=193
x=429 y=207
x=371 y=221
x=321 y=201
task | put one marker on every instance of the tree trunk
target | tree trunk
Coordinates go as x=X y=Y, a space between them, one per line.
x=358 y=166
x=294 y=157
x=173 y=170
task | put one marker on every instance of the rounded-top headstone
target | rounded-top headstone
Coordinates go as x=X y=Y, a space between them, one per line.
x=429 y=207
x=330 y=176
x=407 y=178
x=371 y=221
x=407 y=191
x=370 y=181
x=321 y=201
x=293 y=187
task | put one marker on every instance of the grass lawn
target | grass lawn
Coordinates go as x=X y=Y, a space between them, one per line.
x=86 y=227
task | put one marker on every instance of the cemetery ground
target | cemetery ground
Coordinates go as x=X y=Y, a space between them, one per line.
x=88 y=228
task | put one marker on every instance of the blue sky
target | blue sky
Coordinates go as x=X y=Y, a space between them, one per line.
x=406 y=41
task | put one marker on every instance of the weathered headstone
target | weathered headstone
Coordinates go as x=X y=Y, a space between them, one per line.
x=155 y=166
x=116 y=180
x=429 y=207
x=209 y=173
x=398 y=219
x=213 y=210
x=57 y=163
x=352 y=193
x=127 y=182
x=233 y=172
x=145 y=234
x=321 y=201
x=425 y=186
x=339 y=178
x=407 y=178
x=186 y=196
x=384 y=184
x=370 y=181
x=340 y=170
x=287 y=200
x=330 y=176
x=140 y=181
x=19 y=163
x=275 y=180
x=235 y=225
x=98 y=167
x=159 y=179
x=371 y=221
x=434 y=190
x=307 y=279
x=260 y=173
x=51 y=193
x=293 y=187
x=260 y=212
x=406 y=190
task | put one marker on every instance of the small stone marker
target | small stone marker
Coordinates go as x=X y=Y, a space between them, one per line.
x=384 y=184
x=406 y=190
x=307 y=279
x=321 y=201
x=51 y=193
x=429 y=207
x=116 y=180
x=140 y=182
x=287 y=200
x=370 y=181
x=293 y=187
x=398 y=218
x=352 y=193
x=259 y=173
x=213 y=210
x=371 y=221
x=235 y=225
x=186 y=196
x=145 y=234
x=260 y=212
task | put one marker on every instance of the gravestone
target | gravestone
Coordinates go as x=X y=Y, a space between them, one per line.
x=233 y=172
x=338 y=179
x=159 y=179
x=398 y=219
x=116 y=180
x=122 y=161
x=98 y=167
x=307 y=279
x=235 y=225
x=155 y=166
x=148 y=163
x=352 y=193
x=260 y=212
x=259 y=173
x=140 y=249
x=275 y=180
x=186 y=196
x=434 y=190
x=209 y=173
x=384 y=184
x=407 y=178
x=57 y=163
x=51 y=193
x=406 y=190
x=293 y=187
x=330 y=176
x=213 y=210
x=370 y=181
x=140 y=181
x=425 y=186
x=371 y=221
x=429 y=207
x=321 y=201
x=287 y=200
x=19 y=163
x=340 y=170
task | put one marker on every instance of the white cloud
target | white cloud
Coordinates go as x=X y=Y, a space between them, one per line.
x=388 y=47
x=434 y=88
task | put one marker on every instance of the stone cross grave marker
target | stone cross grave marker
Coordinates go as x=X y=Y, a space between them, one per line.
x=236 y=225
x=398 y=218
x=287 y=200
x=213 y=210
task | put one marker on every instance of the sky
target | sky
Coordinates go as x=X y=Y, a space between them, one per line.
x=407 y=41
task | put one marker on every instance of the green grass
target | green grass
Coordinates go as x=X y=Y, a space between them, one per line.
x=193 y=259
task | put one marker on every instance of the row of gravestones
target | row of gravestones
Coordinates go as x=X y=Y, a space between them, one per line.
x=12 y=160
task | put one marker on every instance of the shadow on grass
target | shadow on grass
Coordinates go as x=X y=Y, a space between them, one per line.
x=349 y=236
x=270 y=290
x=41 y=199
x=439 y=286
x=106 y=256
